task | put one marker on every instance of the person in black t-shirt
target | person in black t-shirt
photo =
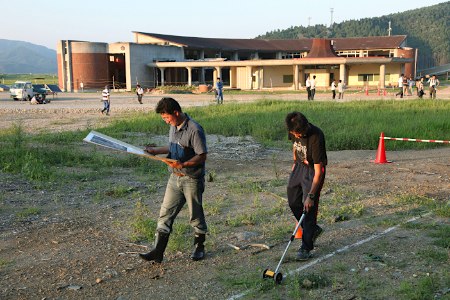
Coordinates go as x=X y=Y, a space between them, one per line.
x=307 y=177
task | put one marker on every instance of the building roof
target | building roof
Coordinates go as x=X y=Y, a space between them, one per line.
x=363 y=43
x=371 y=42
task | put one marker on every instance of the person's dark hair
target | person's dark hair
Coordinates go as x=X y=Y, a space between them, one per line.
x=297 y=122
x=167 y=105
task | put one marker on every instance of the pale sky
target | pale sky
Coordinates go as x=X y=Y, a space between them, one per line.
x=45 y=22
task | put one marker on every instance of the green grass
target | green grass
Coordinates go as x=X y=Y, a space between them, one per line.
x=28 y=212
x=9 y=79
x=422 y=288
x=143 y=226
x=347 y=126
x=5 y=263
x=350 y=125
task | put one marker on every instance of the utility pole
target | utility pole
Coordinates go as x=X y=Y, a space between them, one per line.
x=331 y=20
x=389 y=29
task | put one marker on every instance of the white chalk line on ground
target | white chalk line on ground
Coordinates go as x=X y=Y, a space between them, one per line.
x=343 y=249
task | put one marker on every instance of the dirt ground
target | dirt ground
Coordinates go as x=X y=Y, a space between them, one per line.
x=77 y=248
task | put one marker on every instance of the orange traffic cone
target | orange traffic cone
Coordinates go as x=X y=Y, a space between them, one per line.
x=381 y=153
x=299 y=233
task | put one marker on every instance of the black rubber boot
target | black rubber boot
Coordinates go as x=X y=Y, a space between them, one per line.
x=157 y=253
x=199 y=251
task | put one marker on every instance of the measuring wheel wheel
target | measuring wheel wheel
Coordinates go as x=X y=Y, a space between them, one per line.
x=278 y=278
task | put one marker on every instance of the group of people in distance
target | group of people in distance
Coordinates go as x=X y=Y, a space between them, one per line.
x=106 y=98
x=310 y=85
x=406 y=86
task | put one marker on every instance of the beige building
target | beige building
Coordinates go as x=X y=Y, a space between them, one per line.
x=156 y=60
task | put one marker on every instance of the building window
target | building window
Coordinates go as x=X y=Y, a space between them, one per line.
x=365 y=77
x=350 y=53
x=288 y=78
x=291 y=55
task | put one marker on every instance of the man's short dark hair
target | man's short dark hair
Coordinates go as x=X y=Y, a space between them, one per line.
x=168 y=105
x=297 y=122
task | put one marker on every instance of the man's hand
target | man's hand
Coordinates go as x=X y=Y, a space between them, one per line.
x=308 y=204
x=150 y=149
x=176 y=165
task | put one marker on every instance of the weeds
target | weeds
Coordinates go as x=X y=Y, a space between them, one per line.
x=28 y=212
x=434 y=255
x=120 y=191
x=343 y=205
x=142 y=226
x=442 y=236
x=4 y=263
x=422 y=288
x=313 y=281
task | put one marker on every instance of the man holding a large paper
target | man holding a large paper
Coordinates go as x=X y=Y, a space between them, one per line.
x=187 y=152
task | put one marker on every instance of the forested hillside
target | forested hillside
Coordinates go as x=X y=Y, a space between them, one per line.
x=427 y=28
x=24 y=57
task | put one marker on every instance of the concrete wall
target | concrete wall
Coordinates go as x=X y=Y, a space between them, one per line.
x=84 y=62
x=322 y=77
x=392 y=73
x=273 y=76
x=409 y=70
x=242 y=78
x=136 y=58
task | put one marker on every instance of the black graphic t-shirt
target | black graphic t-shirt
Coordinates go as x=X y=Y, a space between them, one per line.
x=310 y=148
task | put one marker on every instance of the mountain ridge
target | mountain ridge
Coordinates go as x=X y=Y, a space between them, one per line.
x=18 y=57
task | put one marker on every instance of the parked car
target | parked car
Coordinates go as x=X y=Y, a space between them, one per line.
x=24 y=90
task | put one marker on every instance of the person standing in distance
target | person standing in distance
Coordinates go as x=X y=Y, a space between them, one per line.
x=308 y=87
x=434 y=83
x=400 y=86
x=306 y=178
x=219 y=90
x=340 y=88
x=106 y=100
x=333 y=89
x=186 y=184
x=139 y=93
x=313 y=87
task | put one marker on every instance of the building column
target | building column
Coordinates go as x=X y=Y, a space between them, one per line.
x=301 y=75
x=327 y=80
x=202 y=75
x=162 y=75
x=189 y=69
x=250 y=78
x=68 y=70
x=232 y=74
x=202 y=69
x=296 y=77
x=342 y=73
x=219 y=72
x=382 y=81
